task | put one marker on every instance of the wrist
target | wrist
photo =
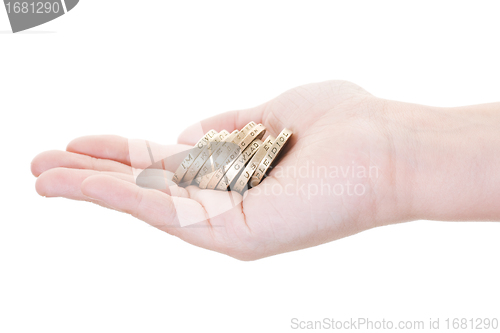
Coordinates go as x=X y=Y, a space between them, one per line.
x=446 y=161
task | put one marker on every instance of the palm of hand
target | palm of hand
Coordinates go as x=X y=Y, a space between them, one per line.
x=322 y=189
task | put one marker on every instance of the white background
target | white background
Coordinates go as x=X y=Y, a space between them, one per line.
x=148 y=69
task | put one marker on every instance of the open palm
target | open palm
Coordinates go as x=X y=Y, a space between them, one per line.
x=332 y=180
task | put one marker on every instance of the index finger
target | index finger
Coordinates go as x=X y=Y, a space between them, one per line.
x=137 y=153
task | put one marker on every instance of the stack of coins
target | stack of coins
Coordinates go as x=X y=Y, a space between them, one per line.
x=231 y=161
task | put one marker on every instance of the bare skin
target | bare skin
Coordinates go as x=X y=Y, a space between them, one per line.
x=431 y=163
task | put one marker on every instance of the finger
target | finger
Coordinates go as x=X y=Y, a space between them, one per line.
x=144 y=154
x=139 y=154
x=111 y=147
x=63 y=182
x=56 y=158
x=66 y=183
x=153 y=207
x=229 y=121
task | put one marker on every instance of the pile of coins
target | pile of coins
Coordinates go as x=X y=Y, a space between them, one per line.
x=231 y=161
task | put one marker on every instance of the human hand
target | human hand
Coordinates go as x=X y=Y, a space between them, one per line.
x=348 y=167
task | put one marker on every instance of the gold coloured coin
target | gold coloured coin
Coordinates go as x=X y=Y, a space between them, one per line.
x=270 y=157
x=192 y=154
x=202 y=158
x=255 y=133
x=247 y=173
x=227 y=150
x=239 y=164
x=208 y=167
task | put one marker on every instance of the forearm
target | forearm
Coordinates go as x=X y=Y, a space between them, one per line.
x=450 y=161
